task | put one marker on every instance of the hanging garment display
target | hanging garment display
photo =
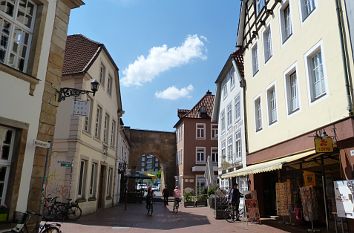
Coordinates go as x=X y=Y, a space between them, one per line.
x=309 y=203
x=283 y=198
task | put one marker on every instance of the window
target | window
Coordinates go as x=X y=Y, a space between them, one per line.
x=200 y=155
x=229 y=115
x=260 y=5
x=267 y=42
x=223 y=150
x=200 y=184
x=113 y=134
x=93 y=181
x=292 y=92
x=106 y=128
x=316 y=75
x=224 y=90
x=214 y=154
x=82 y=179
x=238 y=145
x=102 y=75
x=200 y=130
x=109 y=84
x=17 y=24
x=7 y=141
x=272 y=105
x=307 y=7
x=254 y=59
x=214 y=132
x=258 y=114
x=286 y=29
x=98 y=122
x=87 y=120
x=229 y=149
x=109 y=183
x=223 y=121
x=232 y=77
x=237 y=107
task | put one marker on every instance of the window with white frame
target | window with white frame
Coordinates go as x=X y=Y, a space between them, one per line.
x=223 y=150
x=286 y=28
x=229 y=115
x=230 y=152
x=7 y=142
x=200 y=155
x=258 y=113
x=232 y=77
x=109 y=84
x=200 y=130
x=17 y=27
x=113 y=134
x=106 y=128
x=201 y=184
x=307 y=7
x=98 y=122
x=316 y=75
x=260 y=4
x=222 y=119
x=109 y=183
x=267 y=42
x=214 y=131
x=292 y=92
x=254 y=59
x=102 y=75
x=82 y=179
x=214 y=154
x=88 y=118
x=238 y=145
x=224 y=90
x=237 y=108
x=272 y=105
x=93 y=181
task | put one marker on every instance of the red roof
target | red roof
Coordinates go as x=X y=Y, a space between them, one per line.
x=238 y=56
x=203 y=109
x=80 y=52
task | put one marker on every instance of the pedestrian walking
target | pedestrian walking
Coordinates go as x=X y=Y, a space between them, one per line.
x=165 y=194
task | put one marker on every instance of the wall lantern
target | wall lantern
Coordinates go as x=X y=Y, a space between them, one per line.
x=67 y=91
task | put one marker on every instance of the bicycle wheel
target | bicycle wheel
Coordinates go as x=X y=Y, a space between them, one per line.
x=229 y=215
x=51 y=229
x=74 y=213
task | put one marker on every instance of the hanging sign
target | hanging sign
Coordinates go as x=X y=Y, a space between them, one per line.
x=323 y=145
x=81 y=108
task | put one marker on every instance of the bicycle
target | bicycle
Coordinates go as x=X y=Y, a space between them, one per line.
x=22 y=219
x=149 y=207
x=69 y=210
x=231 y=215
x=176 y=205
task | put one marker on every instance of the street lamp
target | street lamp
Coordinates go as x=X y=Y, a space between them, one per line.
x=67 y=91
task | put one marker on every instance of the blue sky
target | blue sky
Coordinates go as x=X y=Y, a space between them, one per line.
x=169 y=52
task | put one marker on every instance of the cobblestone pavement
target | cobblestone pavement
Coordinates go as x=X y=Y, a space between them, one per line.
x=135 y=220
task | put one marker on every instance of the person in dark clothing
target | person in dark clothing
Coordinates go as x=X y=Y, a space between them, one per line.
x=235 y=200
x=165 y=194
x=149 y=197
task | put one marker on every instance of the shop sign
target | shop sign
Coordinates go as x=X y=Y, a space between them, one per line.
x=344 y=196
x=309 y=178
x=81 y=108
x=323 y=145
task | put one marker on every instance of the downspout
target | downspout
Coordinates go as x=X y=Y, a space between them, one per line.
x=344 y=47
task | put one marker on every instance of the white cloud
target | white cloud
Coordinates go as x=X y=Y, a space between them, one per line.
x=173 y=93
x=160 y=59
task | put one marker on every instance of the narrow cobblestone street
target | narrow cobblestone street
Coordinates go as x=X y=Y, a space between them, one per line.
x=135 y=220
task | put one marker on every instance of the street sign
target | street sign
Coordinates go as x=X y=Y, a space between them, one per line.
x=65 y=163
x=41 y=144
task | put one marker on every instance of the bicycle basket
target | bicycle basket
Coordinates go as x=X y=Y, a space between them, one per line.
x=20 y=218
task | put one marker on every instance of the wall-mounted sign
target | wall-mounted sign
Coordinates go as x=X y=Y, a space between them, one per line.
x=344 y=196
x=309 y=178
x=65 y=163
x=323 y=145
x=41 y=144
x=81 y=108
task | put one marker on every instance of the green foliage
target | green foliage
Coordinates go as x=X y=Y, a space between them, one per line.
x=158 y=174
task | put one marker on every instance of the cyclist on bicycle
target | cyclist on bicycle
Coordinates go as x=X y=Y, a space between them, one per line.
x=149 y=197
x=177 y=195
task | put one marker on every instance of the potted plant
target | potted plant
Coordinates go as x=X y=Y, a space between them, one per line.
x=188 y=197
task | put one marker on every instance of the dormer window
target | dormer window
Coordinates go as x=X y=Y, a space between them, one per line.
x=202 y=112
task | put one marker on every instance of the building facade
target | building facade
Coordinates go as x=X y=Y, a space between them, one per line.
x=30 y=40
x=298 y=64
x=196 y=140
x=84 y=157
x=229 y=112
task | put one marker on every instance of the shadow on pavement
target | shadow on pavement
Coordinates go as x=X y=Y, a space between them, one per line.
x=136 y=217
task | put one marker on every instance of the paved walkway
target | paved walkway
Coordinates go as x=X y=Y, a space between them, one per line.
x=135 y=220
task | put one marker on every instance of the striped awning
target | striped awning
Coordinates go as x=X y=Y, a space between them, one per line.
x=268 y=166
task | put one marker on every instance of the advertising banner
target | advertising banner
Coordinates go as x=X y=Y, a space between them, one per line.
x=344 y=194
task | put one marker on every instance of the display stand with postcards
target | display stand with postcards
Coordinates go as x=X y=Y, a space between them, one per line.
x=252 y=209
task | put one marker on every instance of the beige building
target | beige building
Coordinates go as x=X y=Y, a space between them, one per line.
x=84 y=158
x=299 y=72
x=30 y=66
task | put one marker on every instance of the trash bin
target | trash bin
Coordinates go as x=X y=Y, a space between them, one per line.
x=4 y=214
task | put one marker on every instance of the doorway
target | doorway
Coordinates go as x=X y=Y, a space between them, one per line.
x=102 y=187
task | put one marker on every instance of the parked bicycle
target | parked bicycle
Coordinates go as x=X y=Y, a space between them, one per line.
x=231 y=215
x=54 y=210
x=176 y=205
x=22 y=220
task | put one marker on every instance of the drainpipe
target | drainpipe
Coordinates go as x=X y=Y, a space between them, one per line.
x=344 y=47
